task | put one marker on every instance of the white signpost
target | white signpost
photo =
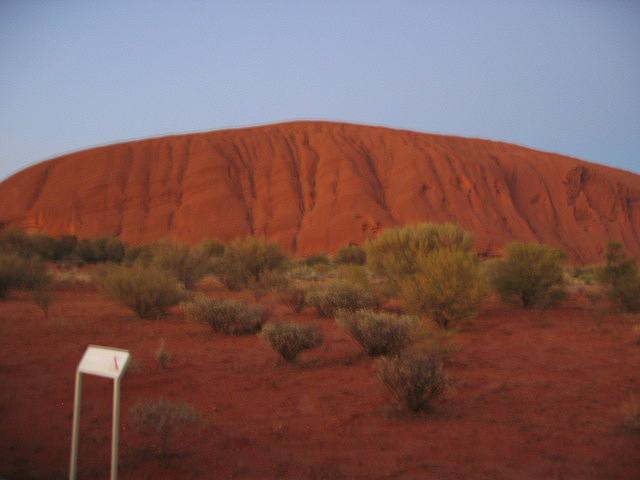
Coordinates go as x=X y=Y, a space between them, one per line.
x=104 y=362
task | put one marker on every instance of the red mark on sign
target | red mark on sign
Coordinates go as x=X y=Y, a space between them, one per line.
x=115 y=360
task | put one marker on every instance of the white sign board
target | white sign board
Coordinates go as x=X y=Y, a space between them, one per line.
x=104 y=361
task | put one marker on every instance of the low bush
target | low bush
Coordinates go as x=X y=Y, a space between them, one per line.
x=622 y=278
x=293 y=296
x=351 y=254
x=185 y=264
x=163 y=355
x=245 y=259
x=227 y=316
x=101 y=250
x=289 y=339
x=530 y=274
x=415 y=378
x=394 y=253
x=37 y=245
x=340 y=295
x=379 y=333
x=315 y=260
x=447 y=286
x=269 y=280
x=163 y=418
x=20 y=273
x=149 y=292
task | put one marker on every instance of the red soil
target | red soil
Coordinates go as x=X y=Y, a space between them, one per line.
x=314 y=186
x=534 y=397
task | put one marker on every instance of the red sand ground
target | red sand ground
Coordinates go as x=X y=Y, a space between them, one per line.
x=534 y=397
x=314 y=186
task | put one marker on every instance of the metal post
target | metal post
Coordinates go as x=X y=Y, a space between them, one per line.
x=115 y=430
x=77 y=402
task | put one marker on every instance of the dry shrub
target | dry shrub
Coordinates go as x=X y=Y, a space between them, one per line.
x=245 y=259
x=379 y=333
x=163 y=418
x=149 y=292
x=630 y=412
x=293 y=295
x=289 y=339
x=163 y=355
x=227 y=316
x=187 y=265
x=622 y=277
x=531 y=274
x=340 y=295
x=101 y=250
x=20 y=273
x=447 y=286
x=43 y=299
x=351 y=254
x=415 y=377
x=267 y=281
x=394 y=253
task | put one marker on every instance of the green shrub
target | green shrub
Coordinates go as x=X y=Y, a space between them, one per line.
x=353 y=254
x=163 y=418
x=394 y=253
x=37 y=245
x=211 y=248
x=183 y=263
x=101 y=250
x=315 y=260
x=149 y=292
x=227 y=316
x=447 y=286
x=415 y=378
x=289 y=339
x=20 y=273
x=139 y=255
x=269 y=280
x=379 y=333
x=621 y=276
x=246 y=259
x=293 y=296
x=340 y=295
x=531 y=274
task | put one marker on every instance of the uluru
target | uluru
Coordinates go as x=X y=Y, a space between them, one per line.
x=313 y=186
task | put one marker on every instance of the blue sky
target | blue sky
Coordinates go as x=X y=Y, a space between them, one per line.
x=562 y=76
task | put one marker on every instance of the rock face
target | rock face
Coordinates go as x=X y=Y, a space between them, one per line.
x=314 y=186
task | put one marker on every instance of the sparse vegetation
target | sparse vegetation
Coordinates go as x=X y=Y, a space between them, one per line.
x=314 y=260
x=447 y=286
x=43 y=299
x=622 y=278
x=163 y=418
x=149 y=292
x=394 y=253
x=245 y=259
x=531 y=274
x=289 y=339
x=339 y=295
x=227 y=316
x=163 y=355
x=351 y=254
x=293 y=296
x=379 y=333
x=101 y=250
x=185 y=264
x=20 y=273
x=415 y=378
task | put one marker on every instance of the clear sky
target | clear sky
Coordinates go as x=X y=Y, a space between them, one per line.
x=555 y=75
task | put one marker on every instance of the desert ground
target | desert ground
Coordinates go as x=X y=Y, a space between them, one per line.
x=532 y=395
